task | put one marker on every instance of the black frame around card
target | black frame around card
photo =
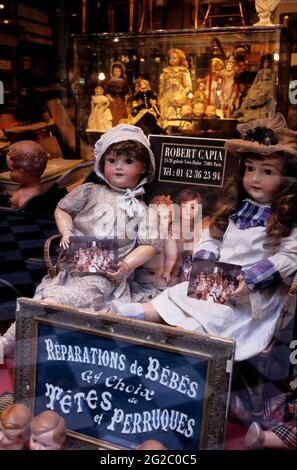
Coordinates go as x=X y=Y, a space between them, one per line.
x=208 y=359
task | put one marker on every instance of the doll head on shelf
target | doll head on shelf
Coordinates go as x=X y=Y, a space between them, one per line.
x=124 y=159
x=199 y=109
x=48 y=431
x=26 y=161
x=14 y=427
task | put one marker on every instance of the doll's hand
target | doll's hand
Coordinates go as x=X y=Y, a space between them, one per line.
x=123 y=270
x=64 y=243
x=241 y=291
x=167 y=275
x=293 y=384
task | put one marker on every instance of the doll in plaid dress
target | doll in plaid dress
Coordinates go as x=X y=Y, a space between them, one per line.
x=279 y=428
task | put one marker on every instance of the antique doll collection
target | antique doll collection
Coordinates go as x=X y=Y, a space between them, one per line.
x=181 y=98
x=151 y=240
x=253 y=226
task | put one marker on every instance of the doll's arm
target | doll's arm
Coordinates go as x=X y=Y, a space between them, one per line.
x=133 y=260
x=187 y=83
x=170 y=249
x=65 y=225
x=207 y=247
x=278 y=266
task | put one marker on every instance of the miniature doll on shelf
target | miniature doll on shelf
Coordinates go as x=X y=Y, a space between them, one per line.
x=26 y=161
x=259 y=101
x=229 y=86
x=145 y=113
x=175 y=86
x=125 y=163
x=278 y=428
x=48 y=431
x=254 y=227
x=200 y=94
x=14 y=427
x=117 y=90
x=265 y=8
x=100 y=119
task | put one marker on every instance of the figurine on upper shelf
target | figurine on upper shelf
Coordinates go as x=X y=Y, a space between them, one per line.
x=117 y=90
x=100 y=119
x=27 y=161
x=259 y=102
x=214 y=80
x=200 y=94
x=228 y=86
x=145 y=112
x=175 y=86
x=265 y=8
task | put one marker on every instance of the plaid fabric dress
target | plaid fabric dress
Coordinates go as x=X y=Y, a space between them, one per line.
x=279 y=416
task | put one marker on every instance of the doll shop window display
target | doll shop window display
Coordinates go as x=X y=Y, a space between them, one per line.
x=48 y=431
x=249 y=229
x=26 y=161
x=117 y=90
x=14 y=427
x=100 y=119
x=174 y=87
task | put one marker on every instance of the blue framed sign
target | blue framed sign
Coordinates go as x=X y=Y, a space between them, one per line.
x=119 y=382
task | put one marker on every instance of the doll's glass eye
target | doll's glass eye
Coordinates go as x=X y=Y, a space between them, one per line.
x=268 y=172
x=249 y=168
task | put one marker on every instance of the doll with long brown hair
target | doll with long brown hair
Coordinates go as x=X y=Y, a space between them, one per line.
x=254 y=227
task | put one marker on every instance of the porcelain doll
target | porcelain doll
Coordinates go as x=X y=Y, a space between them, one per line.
x=259 y=101
x=100 y=119
x=157 y=270
x=48 y=431
x=228 y=86
x=14 y=427
x=26 y=161
x=117 y=90
x=145 y=112
x=253 y=227
x=265 y=8
x=125 y=163
x=175 y=86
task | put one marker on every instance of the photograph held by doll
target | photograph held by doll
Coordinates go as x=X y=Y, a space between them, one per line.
x=26 y=161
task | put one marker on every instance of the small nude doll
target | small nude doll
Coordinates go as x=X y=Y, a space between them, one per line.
x=26 y=161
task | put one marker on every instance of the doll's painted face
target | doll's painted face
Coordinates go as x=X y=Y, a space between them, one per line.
x=10 y=439
x=262 y=178
x=44 y=441
x=123 y=169
x=190 y=209
x=117 y=72
x=99 y=91
x=173 y=59
x=199 y=109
